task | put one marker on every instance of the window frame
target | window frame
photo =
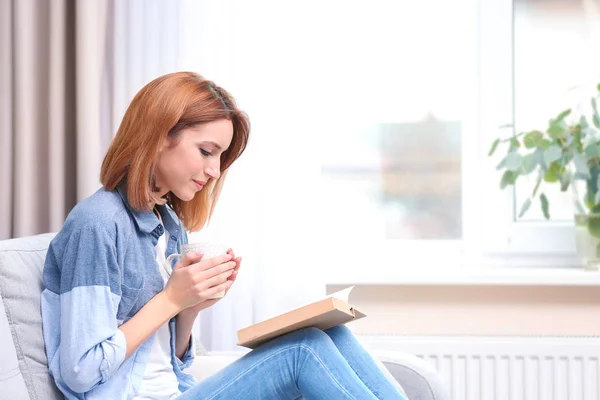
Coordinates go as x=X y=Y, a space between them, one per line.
x=506 y=240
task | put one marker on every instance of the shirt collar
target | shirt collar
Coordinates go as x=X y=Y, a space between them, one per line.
x=147 y=221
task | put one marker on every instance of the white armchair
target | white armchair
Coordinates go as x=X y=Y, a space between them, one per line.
x=23 y=365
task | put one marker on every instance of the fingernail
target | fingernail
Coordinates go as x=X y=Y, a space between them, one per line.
x=197 y=254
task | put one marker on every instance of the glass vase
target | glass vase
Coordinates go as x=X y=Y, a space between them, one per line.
x=587 y=222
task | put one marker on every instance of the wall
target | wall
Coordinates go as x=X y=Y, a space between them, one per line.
x=476 y=310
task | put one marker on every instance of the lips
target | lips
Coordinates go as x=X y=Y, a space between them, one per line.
x=200 y=184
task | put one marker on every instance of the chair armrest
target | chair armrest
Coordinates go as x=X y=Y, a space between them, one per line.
x=419 y=380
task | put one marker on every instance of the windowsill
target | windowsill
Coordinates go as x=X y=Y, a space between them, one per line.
x=490 y=276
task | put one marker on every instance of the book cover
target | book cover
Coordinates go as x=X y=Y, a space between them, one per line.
x=326 y=313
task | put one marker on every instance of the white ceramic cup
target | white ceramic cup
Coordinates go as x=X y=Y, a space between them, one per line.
x=208 y=249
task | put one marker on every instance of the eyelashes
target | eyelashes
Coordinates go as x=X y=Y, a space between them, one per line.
x=205 y=153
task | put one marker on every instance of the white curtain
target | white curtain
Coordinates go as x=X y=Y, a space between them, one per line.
x=268 y=210
x=67 y=73
x=53 y=53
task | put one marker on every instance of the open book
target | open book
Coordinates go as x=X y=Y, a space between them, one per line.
x=326 y=313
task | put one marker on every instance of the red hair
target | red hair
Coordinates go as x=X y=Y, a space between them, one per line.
x=160 y=111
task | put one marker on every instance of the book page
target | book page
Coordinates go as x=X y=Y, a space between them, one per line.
x=343 y=295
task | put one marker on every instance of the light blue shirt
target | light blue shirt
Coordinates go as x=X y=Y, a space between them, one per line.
x=100 y=270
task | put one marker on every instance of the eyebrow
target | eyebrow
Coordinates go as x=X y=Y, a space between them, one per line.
x=213 y=143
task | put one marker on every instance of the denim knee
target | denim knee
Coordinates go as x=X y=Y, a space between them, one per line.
x=339 y=330
x=313 y=335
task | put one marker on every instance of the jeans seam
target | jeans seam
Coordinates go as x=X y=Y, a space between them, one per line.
x=273 y=355
x=328 y=372
x=375 y=392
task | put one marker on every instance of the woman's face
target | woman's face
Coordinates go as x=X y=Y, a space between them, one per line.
x=185 y=167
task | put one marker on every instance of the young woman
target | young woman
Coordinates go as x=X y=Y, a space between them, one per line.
x=117 y=325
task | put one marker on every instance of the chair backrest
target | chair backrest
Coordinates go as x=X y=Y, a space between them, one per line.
x=23 y=364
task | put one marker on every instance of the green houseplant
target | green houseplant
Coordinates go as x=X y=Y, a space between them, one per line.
x=566 y=153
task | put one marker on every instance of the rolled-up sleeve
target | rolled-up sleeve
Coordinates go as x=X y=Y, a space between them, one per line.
x=92 y=346
x=186 y=381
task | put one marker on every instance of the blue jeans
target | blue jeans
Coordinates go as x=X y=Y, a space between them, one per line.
x=308 y=363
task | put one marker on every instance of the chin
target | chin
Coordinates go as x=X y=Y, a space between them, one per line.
x=185 y=195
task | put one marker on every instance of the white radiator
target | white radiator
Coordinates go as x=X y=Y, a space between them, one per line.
x=507 y=368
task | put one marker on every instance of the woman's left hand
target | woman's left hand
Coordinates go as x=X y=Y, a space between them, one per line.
x=238 y=261
x=209 y=303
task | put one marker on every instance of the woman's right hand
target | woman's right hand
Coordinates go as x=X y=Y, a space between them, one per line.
x=194 y=279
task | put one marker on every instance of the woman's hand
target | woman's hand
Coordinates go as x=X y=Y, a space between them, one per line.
x=210 y=302
x=238 y=262
x=195 y=280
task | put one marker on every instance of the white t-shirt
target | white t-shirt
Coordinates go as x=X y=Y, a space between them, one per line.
x=159 y=381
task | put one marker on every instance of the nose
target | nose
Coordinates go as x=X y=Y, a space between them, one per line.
x=213 y=171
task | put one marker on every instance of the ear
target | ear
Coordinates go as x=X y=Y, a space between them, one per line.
x=164 y=145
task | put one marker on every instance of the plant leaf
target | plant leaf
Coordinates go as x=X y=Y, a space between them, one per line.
x=545 y=144
x=508 y=178
x=545 y=205
x=494 y=145
x=597 y=197
x=594 y=225
x=562 y=115
x=565 y=180
x=551 y=174
x=513 y=161
x=596 y=120
x=532 y=139
x=569 y=140
x=581 y=164
x=514 y=143
x=591 y=150
x=537 y=183
x=556 y=130
x=583 y=122
x=524 y=207
x=552 y=154
x=589 y=132
x=530 y=161
x=501 y=164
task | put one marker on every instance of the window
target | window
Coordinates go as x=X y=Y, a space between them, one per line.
x=548 y=36
x=525 y=50
x=392 y=167
x=399 y=103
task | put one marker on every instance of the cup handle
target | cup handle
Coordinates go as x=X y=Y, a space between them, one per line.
x=167 y=264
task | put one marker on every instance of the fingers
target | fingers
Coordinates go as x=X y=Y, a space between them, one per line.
x=219 y=288
x=214 y=261
x=233 y=276
x=188 y=258
x=209 y=273
x=238 y=262
x=217 y=280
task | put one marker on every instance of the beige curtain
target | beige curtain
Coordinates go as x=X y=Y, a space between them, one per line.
x=68 y=69
x=53 y=70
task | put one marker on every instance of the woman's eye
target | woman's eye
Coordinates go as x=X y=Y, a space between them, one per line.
x=205 y=153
